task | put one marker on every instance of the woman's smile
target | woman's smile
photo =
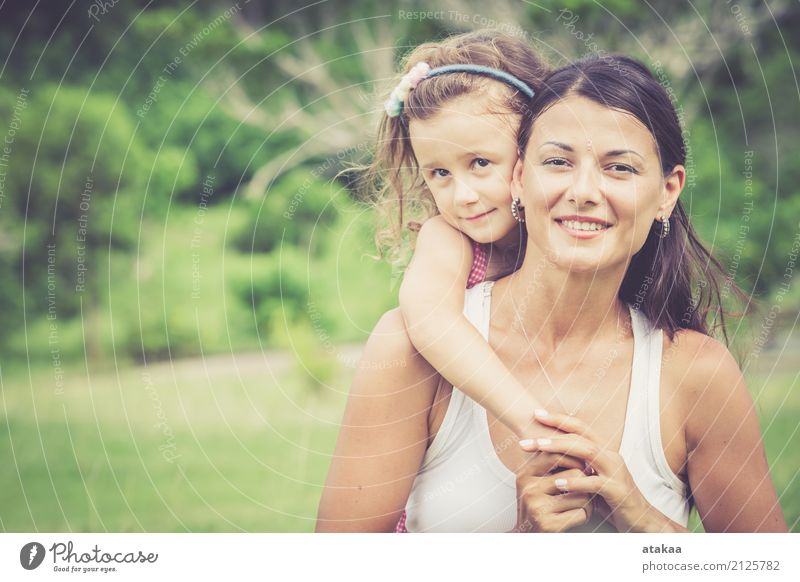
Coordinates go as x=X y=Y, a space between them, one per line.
x=583 y=227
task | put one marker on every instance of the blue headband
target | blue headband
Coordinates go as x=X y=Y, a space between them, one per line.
x=421 y=71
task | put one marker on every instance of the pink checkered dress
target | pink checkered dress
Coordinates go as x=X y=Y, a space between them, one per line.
x=477 y=274
x=480 y=261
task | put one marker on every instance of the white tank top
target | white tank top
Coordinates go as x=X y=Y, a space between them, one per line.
x=463 y=486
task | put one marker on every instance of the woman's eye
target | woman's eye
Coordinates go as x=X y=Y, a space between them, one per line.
x=555 y=162
x=481 y=162
x=622 y=168
x=440 y=173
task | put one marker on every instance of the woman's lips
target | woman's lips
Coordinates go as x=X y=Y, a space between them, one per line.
x=582 y=227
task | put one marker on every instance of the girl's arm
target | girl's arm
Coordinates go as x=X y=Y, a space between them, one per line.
x=383 y=437
x=727 y=465
x=432 y=304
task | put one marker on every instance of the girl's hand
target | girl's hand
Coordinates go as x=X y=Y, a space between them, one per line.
x=606 y=474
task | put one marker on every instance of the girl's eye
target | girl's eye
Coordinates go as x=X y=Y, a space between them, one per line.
x=481 y=162
x=440 y=173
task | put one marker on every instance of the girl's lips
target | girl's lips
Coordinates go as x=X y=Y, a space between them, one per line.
x=479 y=216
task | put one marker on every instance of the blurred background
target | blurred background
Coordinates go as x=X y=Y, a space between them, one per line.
x=187 y=285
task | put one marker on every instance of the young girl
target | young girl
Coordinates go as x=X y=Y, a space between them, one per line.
x=449 y=135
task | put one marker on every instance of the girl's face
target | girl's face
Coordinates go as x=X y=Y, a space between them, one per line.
x=466 y=155
x=592 y=185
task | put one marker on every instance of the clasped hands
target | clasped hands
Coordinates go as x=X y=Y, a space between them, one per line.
x=557 y=488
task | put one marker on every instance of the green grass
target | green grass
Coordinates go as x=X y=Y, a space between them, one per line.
x=251 y=440
x=250 y=450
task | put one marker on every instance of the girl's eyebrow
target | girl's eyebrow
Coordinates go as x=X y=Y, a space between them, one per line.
x=464 y=155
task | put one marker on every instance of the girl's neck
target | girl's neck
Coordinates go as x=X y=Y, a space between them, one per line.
x=556 y=305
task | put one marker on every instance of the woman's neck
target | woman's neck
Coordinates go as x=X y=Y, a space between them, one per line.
x=558 y=306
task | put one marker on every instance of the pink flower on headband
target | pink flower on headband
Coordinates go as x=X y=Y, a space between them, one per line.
x=394 y=105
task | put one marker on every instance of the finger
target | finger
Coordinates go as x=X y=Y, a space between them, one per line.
x=563 y=462
x=568 y=501
x=556 y=460
x=572 y=518
x=551 y=484
x=576 y=446
x=565 y=423
x=541 y=463
x=595 y=485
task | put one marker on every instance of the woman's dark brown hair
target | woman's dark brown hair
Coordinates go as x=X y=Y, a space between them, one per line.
x=675 y=281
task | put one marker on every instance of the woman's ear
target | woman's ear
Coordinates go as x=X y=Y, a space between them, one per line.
x=673 y=186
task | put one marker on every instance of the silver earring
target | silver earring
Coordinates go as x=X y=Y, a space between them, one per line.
x=515 y=208
x=664 y=227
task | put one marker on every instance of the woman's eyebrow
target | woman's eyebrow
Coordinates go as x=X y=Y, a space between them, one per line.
x=614 y=153
x=608 y=154
x=558 y=144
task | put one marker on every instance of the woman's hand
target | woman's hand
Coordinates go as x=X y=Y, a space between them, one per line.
x=541 y=506
x=606 y=475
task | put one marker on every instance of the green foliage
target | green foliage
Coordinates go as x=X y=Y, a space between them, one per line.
x=73 y=154
x=112 y=147
x=177 y=302
x=736 y=213
x=293 y=212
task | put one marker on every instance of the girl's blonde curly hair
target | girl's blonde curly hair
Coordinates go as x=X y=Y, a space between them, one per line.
x=392 y=181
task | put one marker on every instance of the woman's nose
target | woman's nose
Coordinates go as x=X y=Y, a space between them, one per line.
x=585 y=188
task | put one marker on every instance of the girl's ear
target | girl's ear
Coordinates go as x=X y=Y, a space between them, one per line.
x=673 y=186
x=516 y=179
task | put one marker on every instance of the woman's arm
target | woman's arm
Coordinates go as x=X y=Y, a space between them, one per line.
x=432 y=303
x=727 y=466
x=383 y=437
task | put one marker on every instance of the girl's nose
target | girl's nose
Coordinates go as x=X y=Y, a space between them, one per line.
x=465 y=193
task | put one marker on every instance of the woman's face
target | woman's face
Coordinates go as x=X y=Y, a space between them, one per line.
x=591 y=183
x=466 y=155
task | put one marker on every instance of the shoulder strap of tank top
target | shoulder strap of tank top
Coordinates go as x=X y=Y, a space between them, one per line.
x=646 y=402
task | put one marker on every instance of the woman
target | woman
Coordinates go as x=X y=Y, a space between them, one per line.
x=600 y=323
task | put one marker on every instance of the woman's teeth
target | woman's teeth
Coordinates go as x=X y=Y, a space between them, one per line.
x=575 y=225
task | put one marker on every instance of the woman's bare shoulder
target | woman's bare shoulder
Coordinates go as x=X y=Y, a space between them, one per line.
x=392 y=364
x=726 y=464
x=707 y=378
x=698 y=358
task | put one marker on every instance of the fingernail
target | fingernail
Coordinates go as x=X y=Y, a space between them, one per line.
x=561 y=483
x=541 y=413
x=543 y=442
x=527 y=443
